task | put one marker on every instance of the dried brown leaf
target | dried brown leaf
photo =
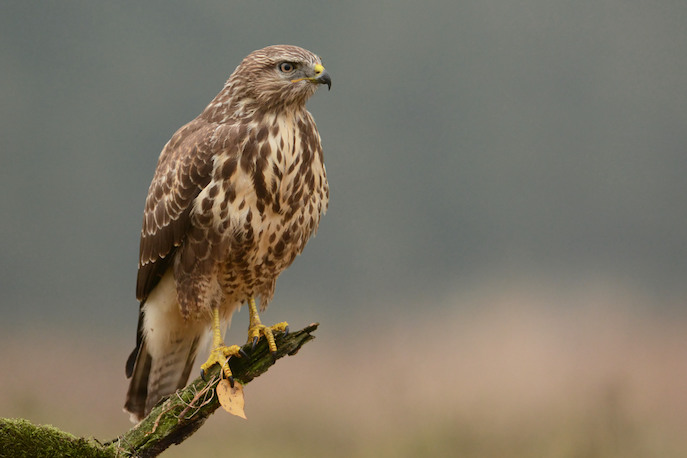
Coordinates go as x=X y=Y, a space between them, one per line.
x=230 y=398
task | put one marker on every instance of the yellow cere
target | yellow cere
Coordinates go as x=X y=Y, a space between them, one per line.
x=319 y=68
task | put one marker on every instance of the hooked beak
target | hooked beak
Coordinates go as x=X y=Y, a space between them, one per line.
x=321 y=77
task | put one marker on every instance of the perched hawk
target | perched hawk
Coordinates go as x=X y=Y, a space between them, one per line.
x=236 y=195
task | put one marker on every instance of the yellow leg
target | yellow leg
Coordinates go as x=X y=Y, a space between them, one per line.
x=255 y=328
x=220 y=352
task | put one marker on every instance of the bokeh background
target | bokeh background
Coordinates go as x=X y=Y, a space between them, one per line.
x=502 y=270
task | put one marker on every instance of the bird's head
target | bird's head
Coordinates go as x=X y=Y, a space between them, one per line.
x=278 y=75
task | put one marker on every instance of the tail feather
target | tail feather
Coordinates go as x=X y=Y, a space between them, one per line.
x=138 y=368
x=171 y=372
x=155 y=378
x=166 y=347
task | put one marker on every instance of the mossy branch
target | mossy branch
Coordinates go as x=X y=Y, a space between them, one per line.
x=172 y=420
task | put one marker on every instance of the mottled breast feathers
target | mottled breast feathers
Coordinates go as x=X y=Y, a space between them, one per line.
x=238 y=209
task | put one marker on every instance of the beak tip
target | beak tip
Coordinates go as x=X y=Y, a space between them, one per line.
x=328 y=82
x=324 y=78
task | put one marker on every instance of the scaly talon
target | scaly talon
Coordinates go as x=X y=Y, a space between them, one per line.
x=256 y=328
x=220 y=353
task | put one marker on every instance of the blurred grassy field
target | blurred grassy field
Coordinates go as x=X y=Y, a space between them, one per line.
x=516 y=372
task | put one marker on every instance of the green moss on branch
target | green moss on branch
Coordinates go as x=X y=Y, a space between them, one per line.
x=173 y=419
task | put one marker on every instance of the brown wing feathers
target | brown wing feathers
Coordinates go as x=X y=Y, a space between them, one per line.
x=167 y=215
x=166 y=218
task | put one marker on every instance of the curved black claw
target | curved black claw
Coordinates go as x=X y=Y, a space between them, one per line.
x=231 y=381
x=255 y=343
x=286 y=331
x=243 y=354
x=202 y=375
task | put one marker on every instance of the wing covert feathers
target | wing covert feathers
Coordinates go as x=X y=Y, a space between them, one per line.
x=183 y=170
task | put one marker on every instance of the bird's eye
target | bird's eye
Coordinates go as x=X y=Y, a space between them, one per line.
x=287 y=67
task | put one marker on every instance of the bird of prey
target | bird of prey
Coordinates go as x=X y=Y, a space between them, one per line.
x=236 y=195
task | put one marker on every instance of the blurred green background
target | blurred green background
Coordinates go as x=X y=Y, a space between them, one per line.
x=502 y=268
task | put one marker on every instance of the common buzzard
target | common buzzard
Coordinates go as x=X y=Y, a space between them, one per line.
x=236 y=195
